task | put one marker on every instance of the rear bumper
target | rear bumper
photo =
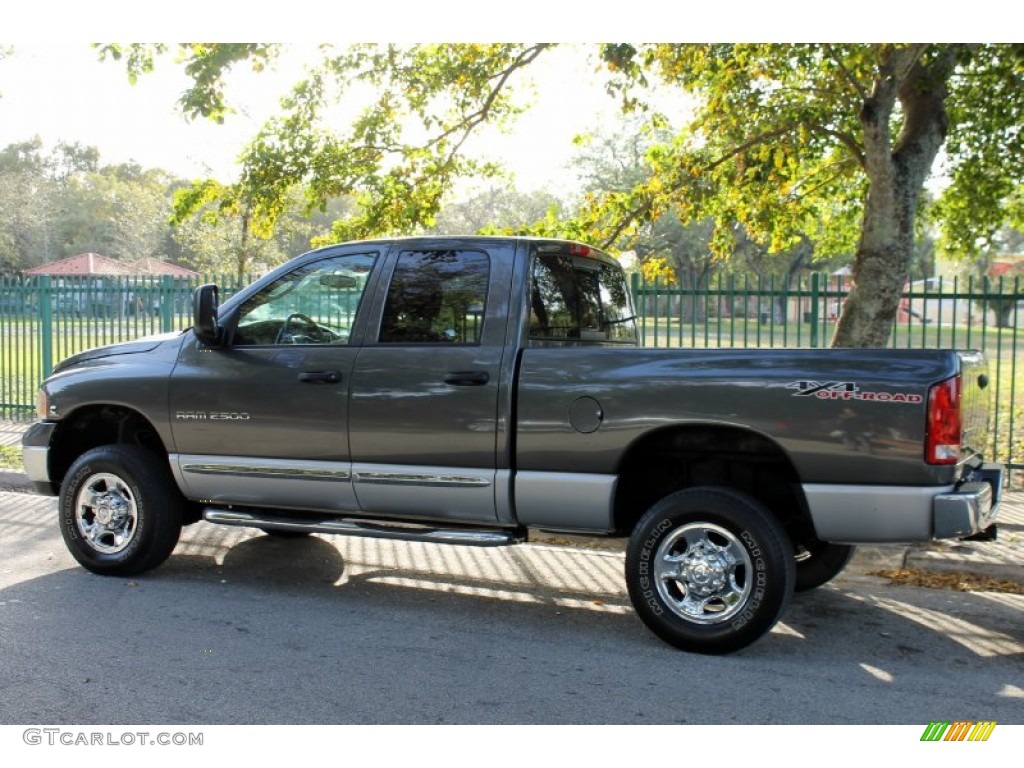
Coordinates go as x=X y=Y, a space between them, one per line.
x=863 y=514
x=972 y=507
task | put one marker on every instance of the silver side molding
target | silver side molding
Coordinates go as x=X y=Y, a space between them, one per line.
x=566 y=501
x=264 y=482
x=428 y=479
x=465 y=494
x=290 y=472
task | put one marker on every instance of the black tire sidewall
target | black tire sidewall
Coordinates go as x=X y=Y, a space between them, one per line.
x=158 y=509
x=826 y=561
x=766 y=544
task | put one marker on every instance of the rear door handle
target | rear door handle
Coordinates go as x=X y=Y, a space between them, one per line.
x=320 y=377
x=467 y=378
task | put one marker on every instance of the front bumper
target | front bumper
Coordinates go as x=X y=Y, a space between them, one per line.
x=35 y=454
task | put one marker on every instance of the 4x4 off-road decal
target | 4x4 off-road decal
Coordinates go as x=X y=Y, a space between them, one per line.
x=848 y=390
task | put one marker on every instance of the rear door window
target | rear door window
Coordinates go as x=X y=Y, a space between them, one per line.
x=436 y=297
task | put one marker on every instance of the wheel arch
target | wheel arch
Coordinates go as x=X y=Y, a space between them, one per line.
x=682 y=456
x=91 y=426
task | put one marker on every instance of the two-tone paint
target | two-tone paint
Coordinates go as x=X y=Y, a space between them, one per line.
x=510 y=433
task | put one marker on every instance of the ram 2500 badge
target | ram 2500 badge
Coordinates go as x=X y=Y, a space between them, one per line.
x=470 y=390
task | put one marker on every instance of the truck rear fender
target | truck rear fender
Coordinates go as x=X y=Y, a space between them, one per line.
x=686 y=456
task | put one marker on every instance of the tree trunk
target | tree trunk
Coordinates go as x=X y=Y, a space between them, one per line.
x=242 y=260
x=895 y=178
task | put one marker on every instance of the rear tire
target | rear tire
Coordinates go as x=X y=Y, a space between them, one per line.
x=120 y=511
x=819 y=562
x=709 y=570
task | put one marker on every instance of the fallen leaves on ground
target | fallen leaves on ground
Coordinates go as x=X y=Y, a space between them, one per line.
x=956 y=580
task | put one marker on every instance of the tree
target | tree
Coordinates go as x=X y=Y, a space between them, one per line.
x=215 y=235
x=28 y=196
x=403 y=150
x=782 y=129
x=1001 y=270
x=493 y=209
x=120 y=211
x=830 y=142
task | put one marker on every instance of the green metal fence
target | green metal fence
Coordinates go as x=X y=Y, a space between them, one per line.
x=43 y=320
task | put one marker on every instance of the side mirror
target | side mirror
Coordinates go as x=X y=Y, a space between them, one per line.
x=204 y=314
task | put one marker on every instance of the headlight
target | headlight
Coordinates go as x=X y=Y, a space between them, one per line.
x=43 y=404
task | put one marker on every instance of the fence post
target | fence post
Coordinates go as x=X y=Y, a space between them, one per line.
x=46 y=325
x=638 y=308
x=166 y=303
x=815 y=308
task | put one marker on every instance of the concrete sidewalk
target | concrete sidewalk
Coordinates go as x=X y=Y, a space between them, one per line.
x=1001 y=559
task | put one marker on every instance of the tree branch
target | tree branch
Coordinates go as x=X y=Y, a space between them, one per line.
x=470 y=122
x=861 y=93
x=753 y=141
x=846 y=139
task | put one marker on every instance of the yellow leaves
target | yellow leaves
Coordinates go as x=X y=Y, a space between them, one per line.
x=955 y=580
x=658 y=268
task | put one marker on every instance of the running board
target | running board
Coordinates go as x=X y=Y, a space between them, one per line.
x=472 y=537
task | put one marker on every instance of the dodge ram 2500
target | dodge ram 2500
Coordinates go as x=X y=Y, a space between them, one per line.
x=471 y=390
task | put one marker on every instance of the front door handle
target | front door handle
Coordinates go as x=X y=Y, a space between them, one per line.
x=320 y=377
x=467 y=378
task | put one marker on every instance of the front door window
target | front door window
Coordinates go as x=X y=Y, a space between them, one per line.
x=314 y=304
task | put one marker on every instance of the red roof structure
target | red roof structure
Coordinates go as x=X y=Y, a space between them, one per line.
x=95 y=264
x=1007 y=266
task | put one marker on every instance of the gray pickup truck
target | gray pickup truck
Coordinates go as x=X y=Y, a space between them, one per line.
x=471 y=390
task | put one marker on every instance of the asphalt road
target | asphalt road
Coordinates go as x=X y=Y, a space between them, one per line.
x=241 y=628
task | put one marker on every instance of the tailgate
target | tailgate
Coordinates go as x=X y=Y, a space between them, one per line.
x=974 y=404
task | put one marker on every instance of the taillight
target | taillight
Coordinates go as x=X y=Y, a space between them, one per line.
x=942 y=438
x=578 y=249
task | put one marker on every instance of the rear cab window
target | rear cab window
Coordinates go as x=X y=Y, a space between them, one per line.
x=578 y=295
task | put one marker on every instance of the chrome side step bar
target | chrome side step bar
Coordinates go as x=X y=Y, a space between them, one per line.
x=473 y=537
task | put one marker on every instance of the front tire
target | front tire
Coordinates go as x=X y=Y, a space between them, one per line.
x=709 y=570
x=120 y=511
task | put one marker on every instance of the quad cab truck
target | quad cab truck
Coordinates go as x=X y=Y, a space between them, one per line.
x=471 y=390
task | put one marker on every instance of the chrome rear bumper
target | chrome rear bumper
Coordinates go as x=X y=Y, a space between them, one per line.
x=972 y=507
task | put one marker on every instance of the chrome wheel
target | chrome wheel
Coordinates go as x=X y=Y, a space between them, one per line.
x=106 y=513
x=709 y=569
x=120 y=511
x=703 y=573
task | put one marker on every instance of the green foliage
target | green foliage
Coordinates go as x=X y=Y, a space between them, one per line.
x=772 y=147
x=65 y=202
x=10 y=457
x=208 y=64
x=789 y=144
x=985 y=146
x=410 y=111
x=494 y=209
